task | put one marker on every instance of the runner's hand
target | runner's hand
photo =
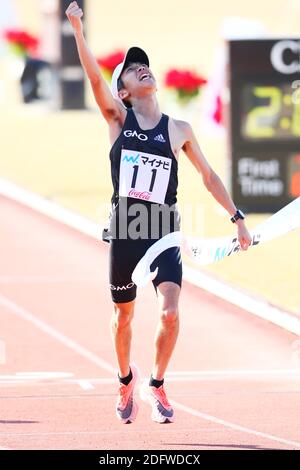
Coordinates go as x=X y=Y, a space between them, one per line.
x=244 y=236
x=74 y=14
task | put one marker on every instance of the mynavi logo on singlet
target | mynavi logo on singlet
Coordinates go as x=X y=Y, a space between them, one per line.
x=129 y=133
x=131 y=158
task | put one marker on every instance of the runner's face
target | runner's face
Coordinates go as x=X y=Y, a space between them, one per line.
x=138 y=80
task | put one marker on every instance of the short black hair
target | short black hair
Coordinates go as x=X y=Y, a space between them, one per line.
x=120 y=85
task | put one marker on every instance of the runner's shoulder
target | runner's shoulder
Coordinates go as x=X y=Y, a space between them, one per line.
x=181 y=127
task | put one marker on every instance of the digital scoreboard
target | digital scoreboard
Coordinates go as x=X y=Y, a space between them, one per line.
x=264 y=81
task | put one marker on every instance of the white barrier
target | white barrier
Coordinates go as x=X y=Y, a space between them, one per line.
x=207 y=251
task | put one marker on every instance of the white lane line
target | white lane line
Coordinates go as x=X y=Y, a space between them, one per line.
x=256 y=306
x=233 y=373
x=91 y=383
x=85 y=384
x=259 y=307
x=50 y=209
x=22 y=313
x=39 y=279
x=275 y=315
x=101 y=432
x=234 y=426
x=38 y=377
x=49 y=330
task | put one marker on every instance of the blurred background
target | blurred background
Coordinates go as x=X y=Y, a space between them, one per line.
x=54 y=140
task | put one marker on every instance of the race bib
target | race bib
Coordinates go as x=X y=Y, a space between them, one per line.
x=144 y=176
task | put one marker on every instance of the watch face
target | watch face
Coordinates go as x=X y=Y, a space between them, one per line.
x=241 y=214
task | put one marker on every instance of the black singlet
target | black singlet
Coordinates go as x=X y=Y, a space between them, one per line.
x=144 y=176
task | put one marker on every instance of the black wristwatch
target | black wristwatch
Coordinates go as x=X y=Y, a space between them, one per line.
x=238 y=215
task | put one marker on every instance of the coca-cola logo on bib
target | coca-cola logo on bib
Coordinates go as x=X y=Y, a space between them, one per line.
x=139 y=194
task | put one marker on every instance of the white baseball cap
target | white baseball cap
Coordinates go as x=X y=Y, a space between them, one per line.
x=134 y=54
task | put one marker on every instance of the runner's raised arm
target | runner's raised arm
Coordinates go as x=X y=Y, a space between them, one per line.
x=110 y=108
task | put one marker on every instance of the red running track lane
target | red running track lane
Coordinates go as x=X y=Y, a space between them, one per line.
x=55 y=309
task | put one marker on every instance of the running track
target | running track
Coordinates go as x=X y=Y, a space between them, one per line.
x=234 y=379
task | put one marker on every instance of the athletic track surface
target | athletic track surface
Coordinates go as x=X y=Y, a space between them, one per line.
x=234 y=378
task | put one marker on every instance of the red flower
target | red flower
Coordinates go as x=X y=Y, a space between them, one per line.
x=24 y=41
x=110 y=61
x=184 y=81
x=218 y=113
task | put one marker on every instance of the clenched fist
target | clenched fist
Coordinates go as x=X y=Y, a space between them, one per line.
x=74 y=14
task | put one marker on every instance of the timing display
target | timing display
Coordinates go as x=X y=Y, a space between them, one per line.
x=264 y=124
x=270 y=111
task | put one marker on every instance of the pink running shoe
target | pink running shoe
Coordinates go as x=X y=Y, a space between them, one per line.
x=162 y=411
x=127 y=407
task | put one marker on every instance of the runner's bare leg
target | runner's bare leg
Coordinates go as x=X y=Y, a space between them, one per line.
x=121 y=334
x=168 y=327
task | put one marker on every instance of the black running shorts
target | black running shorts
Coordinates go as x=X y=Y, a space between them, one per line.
x=124 y=256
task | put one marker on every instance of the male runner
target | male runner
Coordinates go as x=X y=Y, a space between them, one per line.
x=144 y=155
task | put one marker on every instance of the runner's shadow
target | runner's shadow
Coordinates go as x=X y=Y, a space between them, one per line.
x=208 y=446
x=17 y=421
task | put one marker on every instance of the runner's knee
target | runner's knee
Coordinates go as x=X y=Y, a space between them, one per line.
x=169 y=315
x=122 y=315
